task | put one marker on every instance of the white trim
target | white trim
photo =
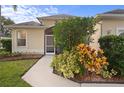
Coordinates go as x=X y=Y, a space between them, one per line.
x=117 y=31
x=46 y=45
x=40 y=27
x=26 y=39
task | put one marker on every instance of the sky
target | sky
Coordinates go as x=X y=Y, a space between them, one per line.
x=26 y=13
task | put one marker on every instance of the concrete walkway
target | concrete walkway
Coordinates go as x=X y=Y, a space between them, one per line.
x=40 y=75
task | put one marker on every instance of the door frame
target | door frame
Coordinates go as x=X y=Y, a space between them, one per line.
x=46 y=45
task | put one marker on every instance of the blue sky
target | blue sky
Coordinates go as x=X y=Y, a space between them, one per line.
x=29 y=13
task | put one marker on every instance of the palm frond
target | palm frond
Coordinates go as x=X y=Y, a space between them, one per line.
x=15 y=7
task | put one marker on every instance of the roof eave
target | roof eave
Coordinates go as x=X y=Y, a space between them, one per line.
x=38 y=27
x=11 y=26
x=113 y=15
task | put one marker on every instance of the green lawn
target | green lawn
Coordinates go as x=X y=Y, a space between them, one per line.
x=12 y=71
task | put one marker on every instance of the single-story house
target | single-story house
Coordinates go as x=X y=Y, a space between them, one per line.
x=33 y=37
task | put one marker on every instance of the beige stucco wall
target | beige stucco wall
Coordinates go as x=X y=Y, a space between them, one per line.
x=35 y=41
x=95 y=37
x=112 y=26
x=48 y=22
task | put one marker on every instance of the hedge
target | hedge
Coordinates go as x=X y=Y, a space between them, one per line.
x=113 y=47
x=7 y=44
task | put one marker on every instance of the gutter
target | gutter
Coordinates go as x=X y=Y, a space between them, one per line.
x=12 y=26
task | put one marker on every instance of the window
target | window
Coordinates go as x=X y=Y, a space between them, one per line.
x=121 y=32
x=21 y=38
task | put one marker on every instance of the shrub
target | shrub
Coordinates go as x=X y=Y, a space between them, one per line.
x=93 y=61
x=67 y=64
x=4 y=52
x=113 y=47
x=80 y=59
x=71 y=32
x=7 y=44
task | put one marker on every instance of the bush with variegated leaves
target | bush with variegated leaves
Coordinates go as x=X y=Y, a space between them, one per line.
x=94 y=61
x=67 y=64
x=80 y=59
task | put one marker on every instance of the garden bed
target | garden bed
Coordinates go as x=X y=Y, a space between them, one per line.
x=20 y=57
x=95 y=79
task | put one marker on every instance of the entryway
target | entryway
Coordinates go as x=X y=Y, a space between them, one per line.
x=49 y=41
x=49 y=44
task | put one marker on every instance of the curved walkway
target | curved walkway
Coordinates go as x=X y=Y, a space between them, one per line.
x=40 y=75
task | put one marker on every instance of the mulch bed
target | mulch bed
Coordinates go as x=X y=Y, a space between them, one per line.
x=20 y=57
x=95 y=79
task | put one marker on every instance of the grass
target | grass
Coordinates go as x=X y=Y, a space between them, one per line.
x=12 y=71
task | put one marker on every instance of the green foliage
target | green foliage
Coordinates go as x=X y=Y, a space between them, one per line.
x=71 y=32
x=113 y=47
x=67 y=64
x=7 y=44
x=105 y=73
x=4 y=53
x=82 y=59
x=6 y=21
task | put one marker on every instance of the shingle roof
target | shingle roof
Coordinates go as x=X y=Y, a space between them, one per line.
x=30 y=23
x=60 y=16
x=117 y=11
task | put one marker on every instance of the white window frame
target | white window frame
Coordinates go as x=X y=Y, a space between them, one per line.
x=17 y=38
x=117 y=32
